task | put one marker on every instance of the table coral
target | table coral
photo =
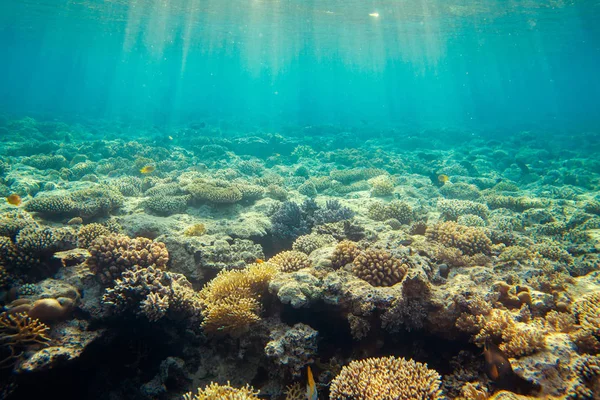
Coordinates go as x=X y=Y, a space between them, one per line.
x=386 y=378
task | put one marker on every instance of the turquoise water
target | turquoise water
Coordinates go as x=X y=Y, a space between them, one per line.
x=290 y=200
x=275 y=63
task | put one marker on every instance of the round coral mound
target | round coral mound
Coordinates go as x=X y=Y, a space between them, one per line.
x=290 y=261
x=379 y=268
x=386 y=378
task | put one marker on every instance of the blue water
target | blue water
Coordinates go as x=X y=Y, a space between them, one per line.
x=422 y=63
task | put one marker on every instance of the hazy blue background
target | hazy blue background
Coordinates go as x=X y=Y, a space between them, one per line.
x=424 y=62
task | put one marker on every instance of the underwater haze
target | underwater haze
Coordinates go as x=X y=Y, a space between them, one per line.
x=300 y=199
x=427 y=63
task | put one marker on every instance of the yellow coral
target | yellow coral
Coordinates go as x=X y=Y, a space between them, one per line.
x=386 y=378
x=231 y=301
x=289 y=261
x=195 y=230
x=223 y=392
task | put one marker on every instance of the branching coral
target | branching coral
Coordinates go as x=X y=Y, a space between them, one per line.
x=19 y=332
x=85 y=203
x=386 y=378
x=469 y=240
x=309 y=243
x=290 y=261
x=345 y=252
x=90 y=232
x=231 y=301
x=113 y=254
x=214 y=192
x=223 y=392
x=153 y=293
x=452 y=209
x=379 y=267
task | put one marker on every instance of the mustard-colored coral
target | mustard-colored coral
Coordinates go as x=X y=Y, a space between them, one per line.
x=468 y=239
x=290 y=261
x=345 y=252
x=587 y=312
x=386 y=378
x=379 y=268
x=231 y=301
x=195 y=230
x=223 y=392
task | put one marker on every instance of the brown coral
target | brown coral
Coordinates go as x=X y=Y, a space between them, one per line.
x=19 y=332
x=379 y=268
x=112 y=255
x=90 y=232
x=231 y=301
x=290 y=261
x=345 y=252
x=386 y=378
x=470 y=240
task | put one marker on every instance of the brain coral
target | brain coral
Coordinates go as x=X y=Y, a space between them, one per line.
x=386 y=378
x=111 y=255
x=379 y=267
x=469 y=240
x=290 y=261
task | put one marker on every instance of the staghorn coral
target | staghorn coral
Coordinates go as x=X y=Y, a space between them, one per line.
x=345 y=252
x=309 y=243
x=386 y=378
x=223 y=392
x=231 y=301
x=290 y=261
x=379 y=267
x=111 y=255
x=469 y=240
x=152 y=293
x=19 y=332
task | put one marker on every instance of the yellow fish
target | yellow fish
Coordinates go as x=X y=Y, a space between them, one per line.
x=311 y=388
x=14 y=199
x=442 y=179
x=148 y=169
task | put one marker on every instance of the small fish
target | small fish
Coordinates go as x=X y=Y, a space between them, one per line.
x=148 y=169
x=260 y=261
x=311 y=388
x=497 y=365
x=14 y=199
x=443 y=179
x=523 y=167
x=170 y=137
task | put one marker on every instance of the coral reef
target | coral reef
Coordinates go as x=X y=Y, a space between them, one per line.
x=379 y=268
x=386 y=378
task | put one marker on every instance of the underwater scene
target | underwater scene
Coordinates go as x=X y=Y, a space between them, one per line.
x=300 y=199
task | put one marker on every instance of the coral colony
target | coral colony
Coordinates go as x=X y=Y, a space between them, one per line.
x=207 y=268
